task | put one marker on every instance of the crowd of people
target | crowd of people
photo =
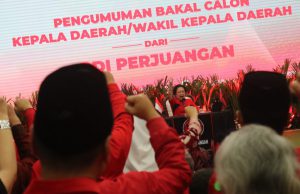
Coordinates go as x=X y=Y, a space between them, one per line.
x=85 y=136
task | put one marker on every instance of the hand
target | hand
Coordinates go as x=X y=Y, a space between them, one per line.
x=3 y=109
x=141 y=106
x=191 y=112
x=22 y=104
x=109 y=77
x=13 y=118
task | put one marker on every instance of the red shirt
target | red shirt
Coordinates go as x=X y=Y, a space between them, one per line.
x=178 y=106
x=120 y=140
x=173 y=177
x=29 y=115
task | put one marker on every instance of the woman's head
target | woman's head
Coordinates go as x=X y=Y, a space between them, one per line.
x=179 y=91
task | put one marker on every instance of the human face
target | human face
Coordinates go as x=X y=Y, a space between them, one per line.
x=180 y=93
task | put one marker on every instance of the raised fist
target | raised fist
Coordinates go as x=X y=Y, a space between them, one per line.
x=141 y=106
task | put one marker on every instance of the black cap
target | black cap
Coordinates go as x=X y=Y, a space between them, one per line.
x=265 y=99
x=74 y=111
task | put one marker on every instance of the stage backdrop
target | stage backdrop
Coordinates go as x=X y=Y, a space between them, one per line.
x=141 y=41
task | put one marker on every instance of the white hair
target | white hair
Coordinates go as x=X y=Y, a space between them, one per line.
x=256 y=160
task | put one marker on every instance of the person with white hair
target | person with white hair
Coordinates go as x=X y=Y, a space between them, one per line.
x=256 y=160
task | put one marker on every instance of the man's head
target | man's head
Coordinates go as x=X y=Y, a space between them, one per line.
x=73 y=117
x=255 y=159
x=265 y=99
x=179 y=91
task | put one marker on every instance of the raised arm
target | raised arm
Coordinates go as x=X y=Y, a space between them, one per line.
x=170 y=93
x=8 y=162
x=190 y=137
x=174 y=173
x=21 y=136
x=24 y=106
x=120 y=139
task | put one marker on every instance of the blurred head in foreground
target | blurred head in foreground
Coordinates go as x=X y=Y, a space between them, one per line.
x=265 y=99
x=73 y=118
x=257 y=160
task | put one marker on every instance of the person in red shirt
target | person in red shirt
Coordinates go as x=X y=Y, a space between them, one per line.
x=21 y=134
x=120 y=137
x=72 y=126
x=192 y=131
x=179 y=100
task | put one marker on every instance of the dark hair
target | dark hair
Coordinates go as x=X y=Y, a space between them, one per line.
x=200 y=181
x=74 y=115
x=265 y=99
x=176 y=87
